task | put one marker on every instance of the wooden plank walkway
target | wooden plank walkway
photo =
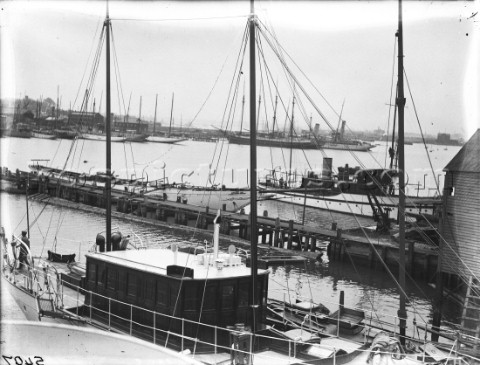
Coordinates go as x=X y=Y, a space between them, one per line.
x=275 y=232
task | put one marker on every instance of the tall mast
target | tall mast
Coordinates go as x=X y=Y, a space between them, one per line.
x=291 y=142
x=253 y=171
x=171 y=116
x=26 y=202
x=274 y=116
x=402 y=314
x=108 y=187
x=140 y=110
x=155 y=117
x=127 y=118
x=58 y=102
x=243 y=109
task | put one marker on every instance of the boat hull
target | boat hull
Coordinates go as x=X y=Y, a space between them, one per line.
x=230 y=200
x=65 y=344
x=102 y=138
x=43 y=135
x=18 y=134
x=65 y=134
x=25 y=300
x=358 y=204
x=169 y=140
x=136 y=138
x=274 y=142
x=364 y=147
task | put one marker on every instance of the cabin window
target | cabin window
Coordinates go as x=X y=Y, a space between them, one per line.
x=140 y=288
x=162 y=292
x=122 y=282
x=243 y=294
x=102 y=272
x=132 y=285
x=210 y=297
x=190 y=297
x=227 y=296
x=92 y=273
x=150 y=290
x=112 y=278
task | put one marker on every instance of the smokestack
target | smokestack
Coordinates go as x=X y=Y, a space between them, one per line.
x=327 y=167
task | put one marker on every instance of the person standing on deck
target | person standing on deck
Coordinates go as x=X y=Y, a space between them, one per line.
x=23 y=259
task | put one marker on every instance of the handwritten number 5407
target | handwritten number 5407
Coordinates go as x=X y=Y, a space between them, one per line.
x=19 y=360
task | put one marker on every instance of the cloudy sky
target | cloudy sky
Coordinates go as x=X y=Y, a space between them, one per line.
x=345 y=49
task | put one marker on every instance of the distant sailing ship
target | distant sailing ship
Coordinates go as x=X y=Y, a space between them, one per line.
x=337 y=142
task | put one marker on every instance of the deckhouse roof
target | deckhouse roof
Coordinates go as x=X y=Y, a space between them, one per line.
x=155 y=261
x=467 y=159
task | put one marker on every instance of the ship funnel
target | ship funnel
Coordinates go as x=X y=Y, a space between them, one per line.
x=327 y=167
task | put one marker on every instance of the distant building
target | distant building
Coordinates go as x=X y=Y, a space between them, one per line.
x=87 y=120
x=121 y=123
x=443 y=138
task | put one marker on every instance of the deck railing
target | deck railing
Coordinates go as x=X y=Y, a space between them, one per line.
x=136 y=323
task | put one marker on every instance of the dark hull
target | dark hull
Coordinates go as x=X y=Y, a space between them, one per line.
x=65 y=134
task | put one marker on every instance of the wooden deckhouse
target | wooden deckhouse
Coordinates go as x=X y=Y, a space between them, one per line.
x=460 y=229
x=173 y=291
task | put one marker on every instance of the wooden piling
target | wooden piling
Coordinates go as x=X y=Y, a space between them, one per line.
x=313 y=244
x=290 y=234
x=276 y=234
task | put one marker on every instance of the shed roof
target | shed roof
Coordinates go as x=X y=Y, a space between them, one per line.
x=468 y=158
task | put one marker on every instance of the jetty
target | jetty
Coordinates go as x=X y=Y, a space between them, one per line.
x=274 y=232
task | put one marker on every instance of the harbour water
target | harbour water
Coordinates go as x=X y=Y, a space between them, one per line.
x=71 y=231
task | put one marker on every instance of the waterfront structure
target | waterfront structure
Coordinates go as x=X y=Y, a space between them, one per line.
x=88 y=120
x=128 y=123
x=460 y=229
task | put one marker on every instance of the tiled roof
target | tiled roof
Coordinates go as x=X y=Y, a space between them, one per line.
x=468 y=158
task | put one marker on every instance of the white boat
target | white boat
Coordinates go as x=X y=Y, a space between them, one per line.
x=165 y=139
x=51 y=343
x=101 y=137
x=362 y=192
x=354 y=145
x=43 y=135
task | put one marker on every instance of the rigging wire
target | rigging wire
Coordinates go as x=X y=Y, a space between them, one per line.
x=420 y=128
x=100 y=22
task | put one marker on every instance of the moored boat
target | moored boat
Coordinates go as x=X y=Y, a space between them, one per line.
x=66 y=133
x=165 y=139
x=61 y=343
x=43 y=135
x=133 y=136
x=363 y=192
x=101 y=137
x=304 y=144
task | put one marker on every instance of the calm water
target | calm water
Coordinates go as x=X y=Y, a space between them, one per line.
x=70 y=230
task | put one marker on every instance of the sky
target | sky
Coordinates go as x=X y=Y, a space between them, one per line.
x=344 y=52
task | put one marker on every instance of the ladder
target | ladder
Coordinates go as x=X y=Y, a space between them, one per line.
x=470 y=324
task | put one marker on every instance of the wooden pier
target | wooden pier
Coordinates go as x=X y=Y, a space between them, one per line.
x=274 y=232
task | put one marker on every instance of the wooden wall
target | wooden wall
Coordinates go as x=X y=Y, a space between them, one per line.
x=460 y=224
